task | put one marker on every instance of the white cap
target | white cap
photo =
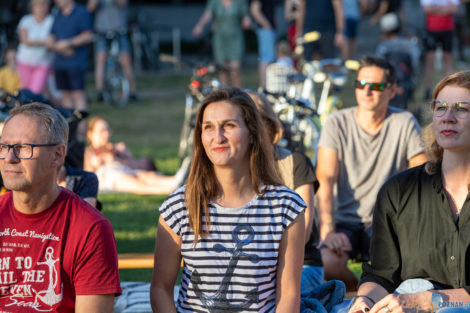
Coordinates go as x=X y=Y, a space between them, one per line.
x=389 y=23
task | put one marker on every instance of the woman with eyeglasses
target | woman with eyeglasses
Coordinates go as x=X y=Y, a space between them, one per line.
x=238 y=231
x=420 y=248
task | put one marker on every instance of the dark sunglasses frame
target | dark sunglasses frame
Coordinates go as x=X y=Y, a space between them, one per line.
x=361 y=84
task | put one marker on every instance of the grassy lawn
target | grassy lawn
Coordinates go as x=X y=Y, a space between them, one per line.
x=151 y=128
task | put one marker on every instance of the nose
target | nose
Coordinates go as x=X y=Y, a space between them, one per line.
x=11 y=156
x=449 y=115
x=219 y=135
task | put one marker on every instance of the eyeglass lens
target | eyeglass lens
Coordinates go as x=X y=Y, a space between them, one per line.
x=460 y=109
x=361 y=84
x=21 y=151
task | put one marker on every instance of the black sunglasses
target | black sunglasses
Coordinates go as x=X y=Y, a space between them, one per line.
x=361 y=84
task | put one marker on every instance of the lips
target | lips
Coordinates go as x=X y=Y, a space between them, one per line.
x=220 y=149
x=448 y=132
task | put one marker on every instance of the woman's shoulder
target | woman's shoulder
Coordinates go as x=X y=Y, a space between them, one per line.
x=280 y=193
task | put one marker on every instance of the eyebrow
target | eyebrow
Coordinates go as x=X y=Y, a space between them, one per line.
x=224 y=121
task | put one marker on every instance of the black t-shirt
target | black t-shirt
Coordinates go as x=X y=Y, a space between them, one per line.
x=268 y=8
x=304 y=173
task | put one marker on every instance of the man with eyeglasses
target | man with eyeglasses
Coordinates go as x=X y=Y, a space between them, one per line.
x=57 y=253
x=359 y=149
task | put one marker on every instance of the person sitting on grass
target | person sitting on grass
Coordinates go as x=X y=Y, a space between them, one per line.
x=239 y=232
x=119 y=171
x=421 y=228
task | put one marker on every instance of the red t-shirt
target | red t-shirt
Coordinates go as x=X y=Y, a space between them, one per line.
x=46 y=259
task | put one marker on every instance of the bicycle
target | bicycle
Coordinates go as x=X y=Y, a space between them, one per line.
x=295 y=100
x=116 y=86
x=202 y=82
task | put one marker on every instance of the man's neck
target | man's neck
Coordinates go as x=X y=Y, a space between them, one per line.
x=68 y=8
x=35 y=202
x=371 y=121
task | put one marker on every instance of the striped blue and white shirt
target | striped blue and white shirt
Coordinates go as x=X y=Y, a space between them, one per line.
x=234 y=268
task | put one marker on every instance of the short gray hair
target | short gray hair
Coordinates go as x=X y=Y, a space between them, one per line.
x=55 y=125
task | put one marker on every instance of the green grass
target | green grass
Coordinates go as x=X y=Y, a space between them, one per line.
x=151 y=128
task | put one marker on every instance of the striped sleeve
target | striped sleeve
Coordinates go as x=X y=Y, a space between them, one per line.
x=173 y=211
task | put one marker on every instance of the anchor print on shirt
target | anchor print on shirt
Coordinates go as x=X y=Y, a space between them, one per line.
x=218 y=302
x=44 y=298
x=49 y=296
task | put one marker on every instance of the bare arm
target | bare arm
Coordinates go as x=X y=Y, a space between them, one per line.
x=205 y=18
x=23 y=36
x=398 y=302
x=258 y=16
x=417 y=160
x=94 y=303
x=327 y=174
x=307 y=194
x=289 y=268
x=339 y=21
x=165 y=270
x=299 y=22
x=371 y=290
x=383 y=7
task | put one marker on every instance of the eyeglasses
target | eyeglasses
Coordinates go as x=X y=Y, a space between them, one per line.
x=21 y=150
x=361 y=84
x=460 y=109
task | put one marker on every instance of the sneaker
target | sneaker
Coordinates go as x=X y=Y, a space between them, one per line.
x=133 y=97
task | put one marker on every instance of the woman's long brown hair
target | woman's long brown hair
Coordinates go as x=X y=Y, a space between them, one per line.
x=202 y=185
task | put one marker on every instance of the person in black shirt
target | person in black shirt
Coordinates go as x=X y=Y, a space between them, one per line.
x=421 y=227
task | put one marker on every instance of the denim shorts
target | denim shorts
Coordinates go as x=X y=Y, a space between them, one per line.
x=101 y=43
x=352 y=25
x=266 y=45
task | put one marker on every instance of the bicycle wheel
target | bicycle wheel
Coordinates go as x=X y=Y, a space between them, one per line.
x=187 y=131
x=311 y=129
x=118 y=89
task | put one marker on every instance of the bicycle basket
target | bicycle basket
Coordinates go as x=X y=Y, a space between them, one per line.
x=276 y=77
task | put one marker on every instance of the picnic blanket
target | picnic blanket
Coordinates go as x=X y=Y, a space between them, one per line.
x=135 y=298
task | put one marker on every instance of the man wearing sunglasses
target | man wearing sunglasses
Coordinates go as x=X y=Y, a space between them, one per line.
x=57 y=253
x=360 y=148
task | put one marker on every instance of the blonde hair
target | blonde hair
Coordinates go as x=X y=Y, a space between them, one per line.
x=34 y=2
x=203 y=185
x=434 y=151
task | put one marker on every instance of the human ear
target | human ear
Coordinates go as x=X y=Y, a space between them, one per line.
x=59 y=155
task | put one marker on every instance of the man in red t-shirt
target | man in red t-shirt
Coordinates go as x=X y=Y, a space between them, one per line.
x=440 y=30
x=57 y=253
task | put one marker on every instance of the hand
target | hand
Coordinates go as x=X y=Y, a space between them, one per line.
x=246 y=23
x=337 y=242
x=197 y=31
x=339 y=39
x=402 y=303
x=361 y=305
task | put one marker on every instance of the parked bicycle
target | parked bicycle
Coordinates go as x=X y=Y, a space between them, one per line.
x=203 y=81
x=116 y=89
x=304 y=100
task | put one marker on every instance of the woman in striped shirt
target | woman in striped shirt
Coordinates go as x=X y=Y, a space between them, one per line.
x=239 y=232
